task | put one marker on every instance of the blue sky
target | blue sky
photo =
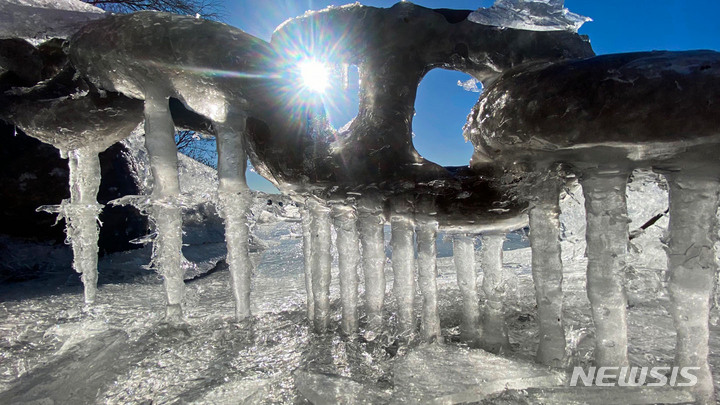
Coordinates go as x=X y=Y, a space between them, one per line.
x=442 y=106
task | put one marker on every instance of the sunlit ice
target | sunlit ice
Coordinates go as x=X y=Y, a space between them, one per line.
x=315 y=75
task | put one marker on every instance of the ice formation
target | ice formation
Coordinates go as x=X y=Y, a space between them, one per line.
x=65 y=113
x=678 y=140
x=179 y=71
x=534 y=15
x=119 y=65
x=421 y=197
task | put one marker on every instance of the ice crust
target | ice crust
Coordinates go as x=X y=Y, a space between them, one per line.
x=43 y=19
x=533 y=15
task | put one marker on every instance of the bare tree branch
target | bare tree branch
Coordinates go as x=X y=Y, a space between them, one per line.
x=198 y=147
x=209 y=9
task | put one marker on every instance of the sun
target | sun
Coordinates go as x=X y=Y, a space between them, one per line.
x=315 y=75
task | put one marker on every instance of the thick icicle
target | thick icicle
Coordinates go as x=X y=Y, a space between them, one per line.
x=547 y=272
x=464 y=257
x=403 y=265
x=234 y=200
x=321 y=261
x=495 y=334
x=372 y=238
x=692 y=266
x=81 y=217
x=348 y=247
x=307 y=256
x=427 y=277
x=165 y=212
x=607 y=240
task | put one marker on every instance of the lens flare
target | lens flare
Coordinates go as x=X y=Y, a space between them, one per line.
x=315 y=75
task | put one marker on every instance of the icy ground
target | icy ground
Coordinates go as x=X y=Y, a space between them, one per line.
x=120 y=351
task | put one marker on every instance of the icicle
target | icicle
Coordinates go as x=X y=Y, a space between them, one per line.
x=321 y=261
x=427 y=277
x=403 y=265
x=547 y=272
x=495 y=335
x=233 y=204
x=307 y=256
x=165 y=213
x=692 y=266
x=348 y=247
x=607 y=239
x=464 y=257
x=81 y=217
x=372 y=238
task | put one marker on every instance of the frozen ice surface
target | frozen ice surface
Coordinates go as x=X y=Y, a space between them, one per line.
x=532 y=15
x=328 y=389
x=450 y=374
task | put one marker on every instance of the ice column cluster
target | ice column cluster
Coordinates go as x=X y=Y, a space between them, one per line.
x=677 y=139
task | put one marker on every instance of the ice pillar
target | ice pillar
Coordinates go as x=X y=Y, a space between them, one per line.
x=348 y=247
x=321 y=260
x=607 y=239
x=307 y=256
x=403 y=265
x=427 y=277
x=165 y=212
x=464 y=257
x=495 y=335
x=372 y=238
x=547 y=272
x=692 y=266
x=81 y=217
x=234 y=199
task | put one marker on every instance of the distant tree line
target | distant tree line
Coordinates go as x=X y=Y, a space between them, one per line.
x=209 y=9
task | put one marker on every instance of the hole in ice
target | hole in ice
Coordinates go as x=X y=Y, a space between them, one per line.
x=441 y=108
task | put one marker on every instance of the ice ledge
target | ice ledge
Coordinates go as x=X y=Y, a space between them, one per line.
x=531 y=15
x=43 y=19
